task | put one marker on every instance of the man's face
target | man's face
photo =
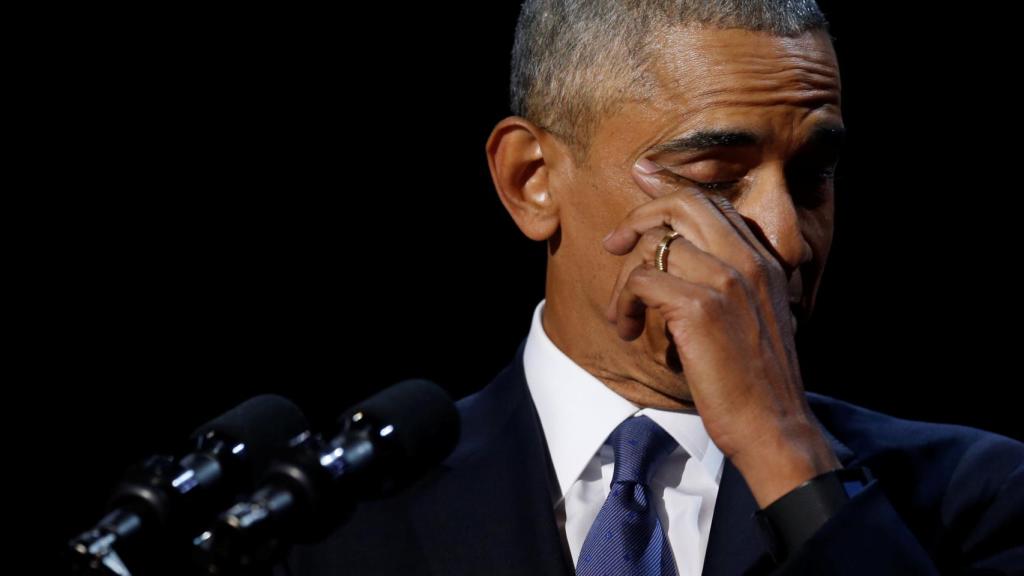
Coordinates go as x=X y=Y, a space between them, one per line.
x=753 y=117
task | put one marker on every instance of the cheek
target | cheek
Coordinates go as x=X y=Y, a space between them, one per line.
x=598 y=203
x=602 y=204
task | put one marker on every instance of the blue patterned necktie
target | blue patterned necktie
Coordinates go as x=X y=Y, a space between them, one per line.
x=626 y=537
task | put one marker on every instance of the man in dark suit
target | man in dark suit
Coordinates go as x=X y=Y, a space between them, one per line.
x=677 y=158
x=946 y=500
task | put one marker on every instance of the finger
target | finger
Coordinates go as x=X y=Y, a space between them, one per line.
x=762 y=268
x=756 y=241
x=720 y=232
x=645 y=252
x=680 y=205
x=755 y=238
x=648 y=244
x=648 y=287
x=686 y=262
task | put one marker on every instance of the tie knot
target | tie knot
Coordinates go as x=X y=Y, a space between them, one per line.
x=639 y=444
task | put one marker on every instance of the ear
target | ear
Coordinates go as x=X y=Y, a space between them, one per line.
x=520 y=155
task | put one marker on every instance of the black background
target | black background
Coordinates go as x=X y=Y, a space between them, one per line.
x=220 y=205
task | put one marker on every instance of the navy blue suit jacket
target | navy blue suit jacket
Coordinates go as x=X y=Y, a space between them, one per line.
x=946 y=500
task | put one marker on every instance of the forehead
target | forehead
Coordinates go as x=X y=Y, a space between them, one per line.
x=776 y=87
x=703 y=65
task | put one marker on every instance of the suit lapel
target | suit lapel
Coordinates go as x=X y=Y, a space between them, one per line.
x=493 y=512
x=734 y=545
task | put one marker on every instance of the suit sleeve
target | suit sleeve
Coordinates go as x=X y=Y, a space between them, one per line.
x=975 y=525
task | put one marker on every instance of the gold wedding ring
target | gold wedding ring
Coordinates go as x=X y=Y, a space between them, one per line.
x=661 y=256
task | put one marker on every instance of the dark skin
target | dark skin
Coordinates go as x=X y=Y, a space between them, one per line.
x=755 y=120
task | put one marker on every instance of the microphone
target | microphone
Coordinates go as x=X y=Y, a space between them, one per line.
x=164 y=497
x=380 y=446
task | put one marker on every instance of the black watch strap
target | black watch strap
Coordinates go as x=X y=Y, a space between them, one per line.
x=796 y=516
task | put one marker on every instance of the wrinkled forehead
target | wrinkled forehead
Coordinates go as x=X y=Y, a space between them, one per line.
x=698 y=67
x=770 y=90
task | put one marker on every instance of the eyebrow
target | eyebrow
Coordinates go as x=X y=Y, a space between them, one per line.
x=828 y=137
x=708 y=139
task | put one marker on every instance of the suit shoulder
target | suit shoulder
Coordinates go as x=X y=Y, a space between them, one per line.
x=869 y=432
x=866 y=430
x=926 y=464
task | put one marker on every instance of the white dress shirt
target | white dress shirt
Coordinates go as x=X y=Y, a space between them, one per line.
x=578 y=413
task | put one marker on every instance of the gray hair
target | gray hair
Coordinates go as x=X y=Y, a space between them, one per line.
x=575 y=61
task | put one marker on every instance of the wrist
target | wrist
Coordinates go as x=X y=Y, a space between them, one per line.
x=779 y=462
x=794 y=518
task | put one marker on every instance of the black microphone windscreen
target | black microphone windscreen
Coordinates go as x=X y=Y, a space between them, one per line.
x=262 y=423
x=424 y=421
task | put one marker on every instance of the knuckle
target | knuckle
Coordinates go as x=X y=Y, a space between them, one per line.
x=707 y=306
x=730 y=281
x=681 y=202
x=652 y=238
x=755 y=268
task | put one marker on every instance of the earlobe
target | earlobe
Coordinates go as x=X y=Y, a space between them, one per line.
x=521 y=171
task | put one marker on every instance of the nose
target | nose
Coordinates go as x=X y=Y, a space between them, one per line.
x=771 y=213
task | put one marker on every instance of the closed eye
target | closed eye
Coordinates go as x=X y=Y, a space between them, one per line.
x=717 y=186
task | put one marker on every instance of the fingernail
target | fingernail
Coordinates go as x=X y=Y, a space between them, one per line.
x=645 y=166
